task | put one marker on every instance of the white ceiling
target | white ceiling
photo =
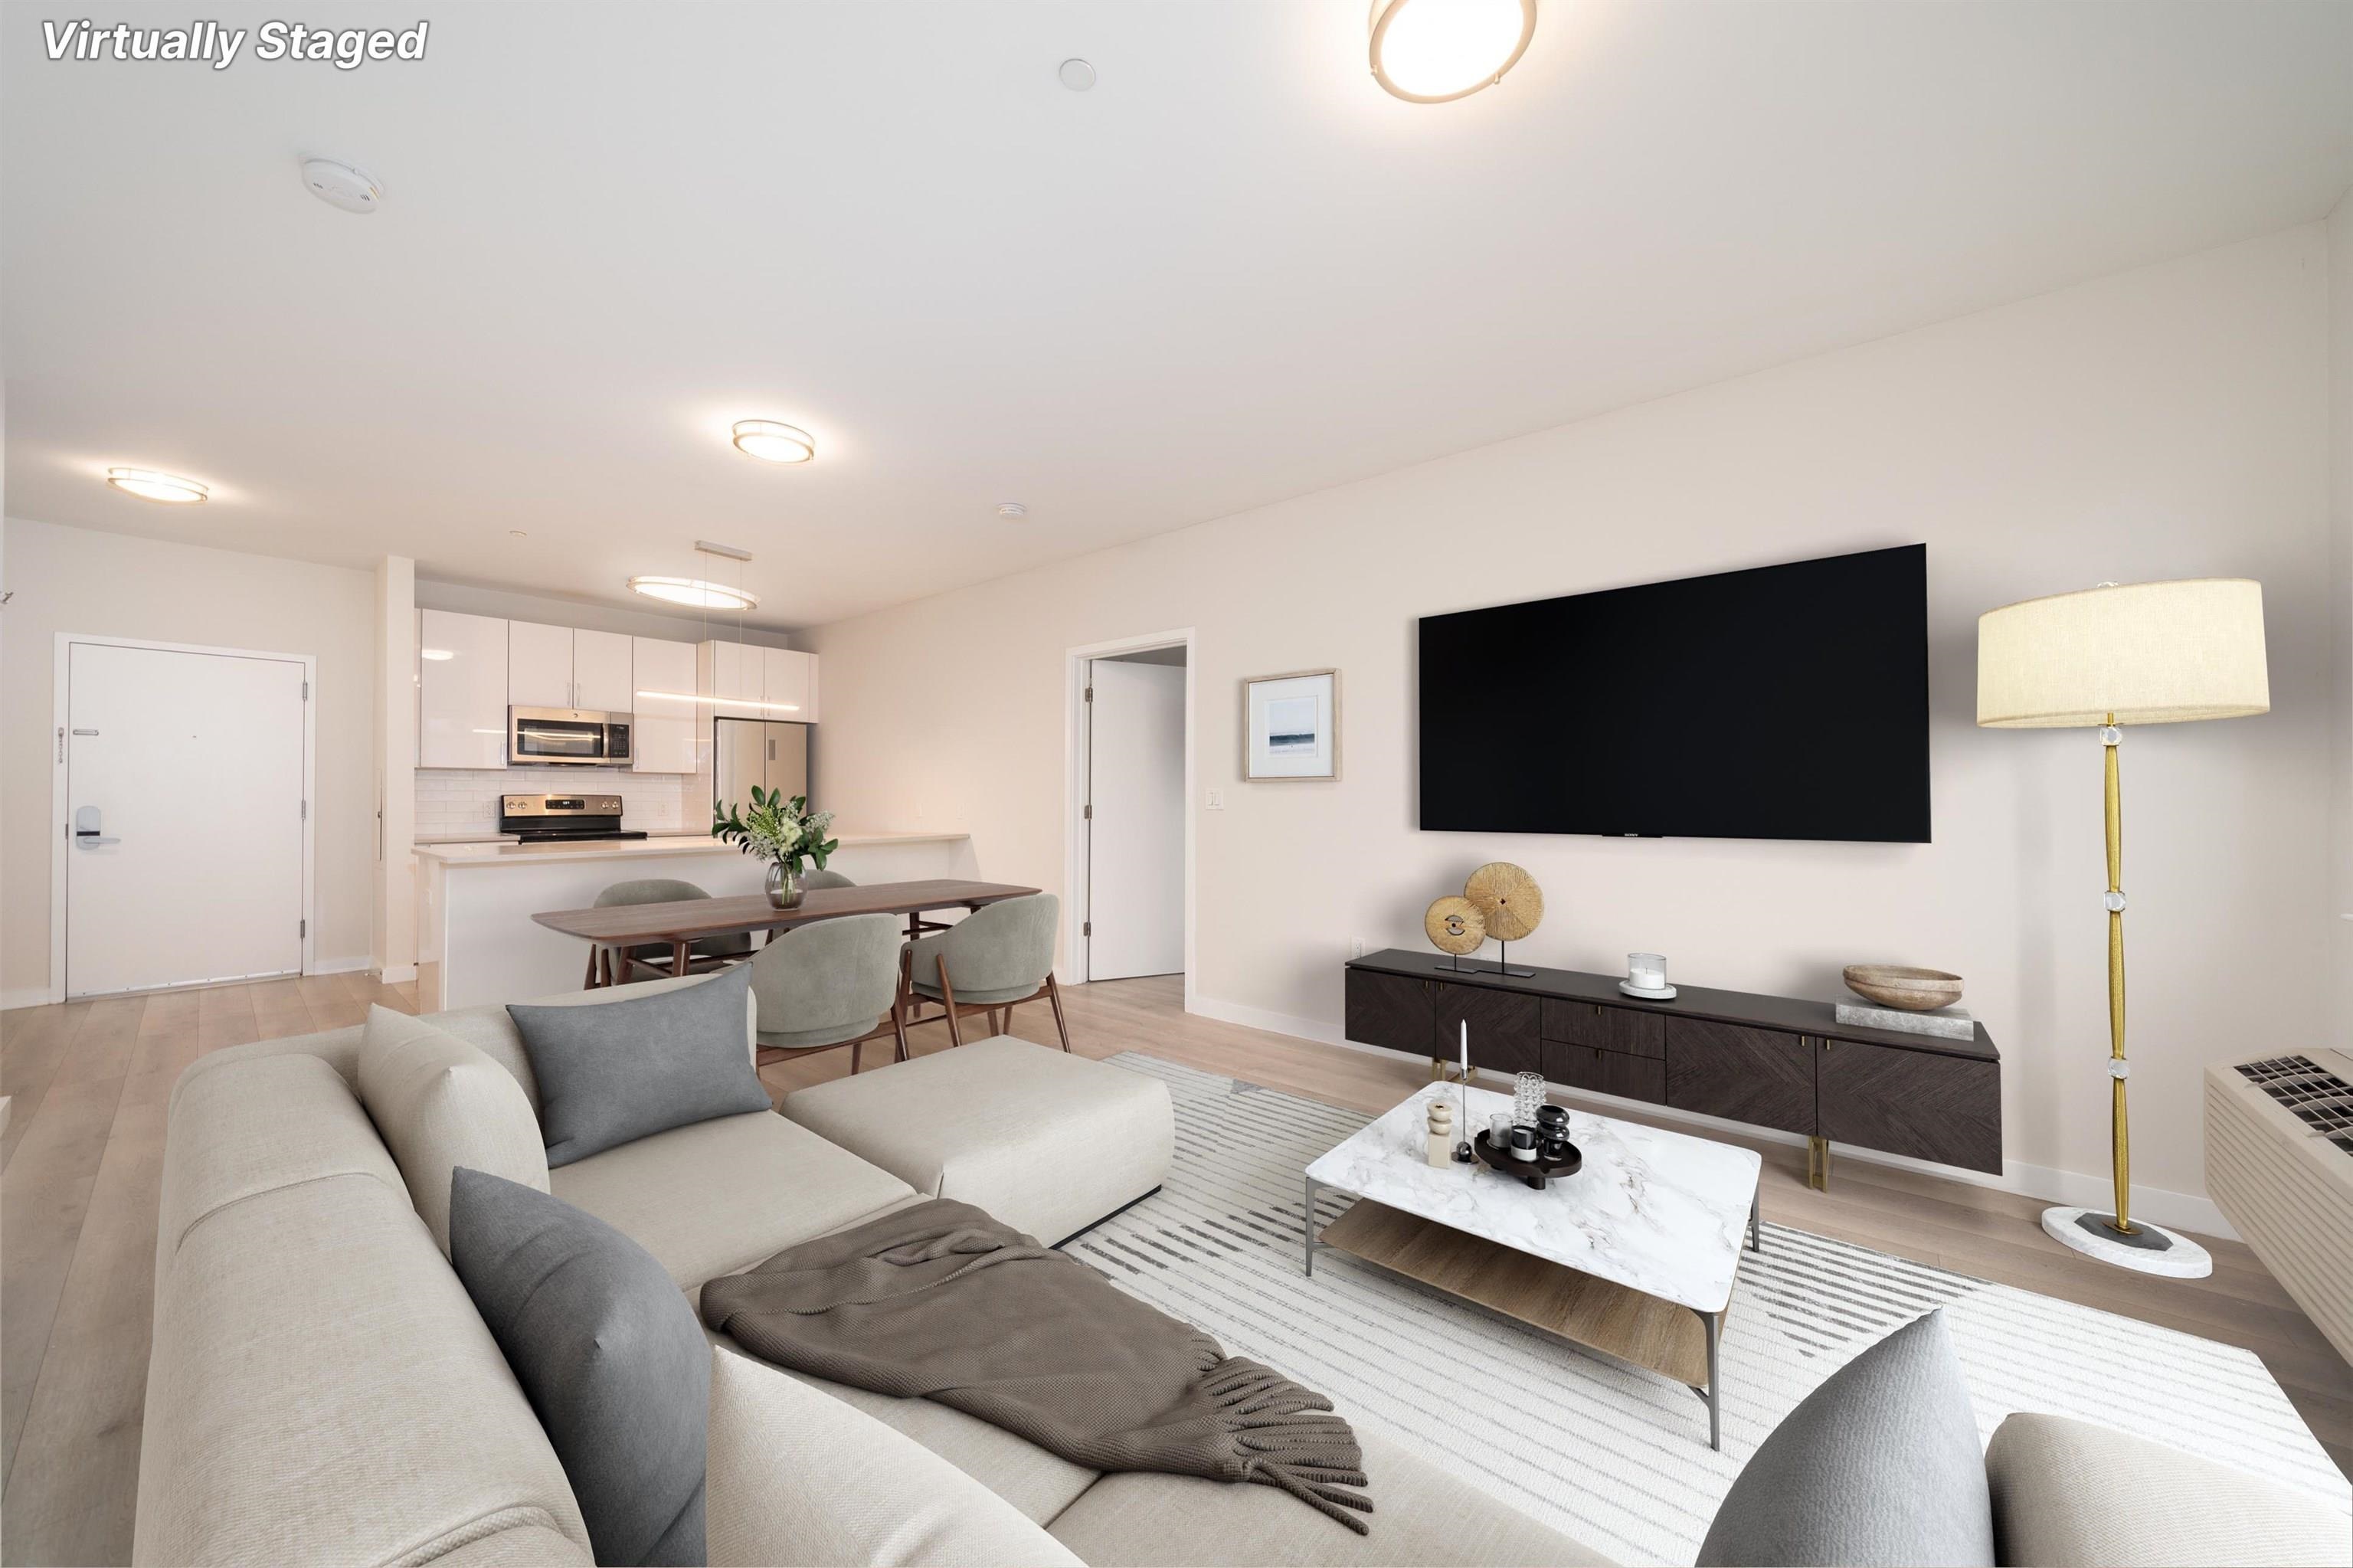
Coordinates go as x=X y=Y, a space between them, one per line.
x=1234 y=271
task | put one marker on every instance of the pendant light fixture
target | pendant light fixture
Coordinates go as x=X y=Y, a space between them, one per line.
x=1434 y=51
x=708 y=595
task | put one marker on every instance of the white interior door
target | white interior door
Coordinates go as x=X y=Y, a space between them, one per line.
x=1135 y=835
x=184 y=816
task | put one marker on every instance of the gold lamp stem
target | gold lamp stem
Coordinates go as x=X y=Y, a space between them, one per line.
x=2118 y=1133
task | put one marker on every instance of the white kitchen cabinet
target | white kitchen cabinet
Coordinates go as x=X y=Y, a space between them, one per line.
x=539 y=665
x=666 y=729
x=563 y=667
x=731 y=675
x=461 y=689
x=600 y=671
x=788 y=684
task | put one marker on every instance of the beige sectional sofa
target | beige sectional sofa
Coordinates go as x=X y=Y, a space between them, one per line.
x=321 y=1389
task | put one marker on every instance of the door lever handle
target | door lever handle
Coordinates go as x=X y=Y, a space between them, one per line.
x=92 y=840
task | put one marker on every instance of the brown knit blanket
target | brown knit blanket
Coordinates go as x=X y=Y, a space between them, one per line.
x=939 y=1301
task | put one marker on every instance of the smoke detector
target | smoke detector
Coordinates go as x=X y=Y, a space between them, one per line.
x=342 y=184
x=1077 y=75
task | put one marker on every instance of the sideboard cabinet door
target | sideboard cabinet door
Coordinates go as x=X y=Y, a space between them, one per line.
x=1504 y=1035
x=1931 y=1106
x=1762 y=1077
x=1388 y=1009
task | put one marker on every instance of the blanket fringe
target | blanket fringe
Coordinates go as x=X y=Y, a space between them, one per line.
x=1285 y=1436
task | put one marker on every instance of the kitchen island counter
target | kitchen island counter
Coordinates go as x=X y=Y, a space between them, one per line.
x=507 y=852
x=477 y=941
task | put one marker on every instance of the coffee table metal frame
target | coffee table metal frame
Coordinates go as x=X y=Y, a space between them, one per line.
x=1709 y=1393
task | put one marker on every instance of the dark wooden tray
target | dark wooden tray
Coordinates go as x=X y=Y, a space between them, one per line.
x=1536 y=1172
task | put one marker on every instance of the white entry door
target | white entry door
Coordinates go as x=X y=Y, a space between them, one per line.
x=1135 y=835
x=183 y=837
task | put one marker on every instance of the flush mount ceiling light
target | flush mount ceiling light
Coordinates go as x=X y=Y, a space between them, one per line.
x=1011 y=511
x=149 y=485
x=1434 y=51
x=772 y=442
x=694 y=591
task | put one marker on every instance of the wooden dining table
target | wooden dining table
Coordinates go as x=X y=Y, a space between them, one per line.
x=680 y=923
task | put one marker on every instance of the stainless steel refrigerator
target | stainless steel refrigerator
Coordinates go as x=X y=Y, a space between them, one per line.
x=766 y=752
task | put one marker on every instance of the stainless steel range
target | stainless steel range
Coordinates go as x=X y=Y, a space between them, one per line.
x=563 y=819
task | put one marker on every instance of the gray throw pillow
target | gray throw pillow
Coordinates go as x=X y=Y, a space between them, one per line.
x=1880 y=1465
x=617 y=1071
x=608 y=1352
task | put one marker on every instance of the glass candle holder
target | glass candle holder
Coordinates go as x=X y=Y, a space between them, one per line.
x=1647 y=971
x=1528 y=1099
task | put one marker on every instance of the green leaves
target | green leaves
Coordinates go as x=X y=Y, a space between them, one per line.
x=775 y=829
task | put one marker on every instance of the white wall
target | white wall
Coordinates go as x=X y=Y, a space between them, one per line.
x=2340 y=443
x=465 y=598
x=80 y=580
x=2167 y=422
x=393 y=921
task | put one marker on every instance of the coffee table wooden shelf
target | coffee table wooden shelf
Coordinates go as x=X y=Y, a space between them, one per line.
x=1635 y=1255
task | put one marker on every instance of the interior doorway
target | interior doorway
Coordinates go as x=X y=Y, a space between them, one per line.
x=1133 y=863
x=182 y=854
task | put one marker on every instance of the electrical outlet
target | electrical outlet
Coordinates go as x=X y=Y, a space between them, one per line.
x=1216 y=799
x=1358 y=947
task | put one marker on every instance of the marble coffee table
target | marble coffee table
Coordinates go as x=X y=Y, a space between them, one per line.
x=1634 y=1256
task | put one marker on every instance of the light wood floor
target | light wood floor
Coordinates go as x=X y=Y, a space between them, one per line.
x=84 y=1155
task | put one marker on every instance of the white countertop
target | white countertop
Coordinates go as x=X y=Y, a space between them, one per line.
x=508 y=852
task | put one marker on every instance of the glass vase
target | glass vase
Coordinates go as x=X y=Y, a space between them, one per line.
x=783 y=885
x=1528 y=1095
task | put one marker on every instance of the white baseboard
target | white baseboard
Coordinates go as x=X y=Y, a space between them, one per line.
x=394 y=974
x=340 y=966
x=2183 y=1211
x=25 y=996
x=1274 y=1022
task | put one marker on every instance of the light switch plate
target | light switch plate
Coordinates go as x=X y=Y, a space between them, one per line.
x=1216 y=799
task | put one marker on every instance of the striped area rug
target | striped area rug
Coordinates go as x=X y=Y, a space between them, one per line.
x=1620 y=1458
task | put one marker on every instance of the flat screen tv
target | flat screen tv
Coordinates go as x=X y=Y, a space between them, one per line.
x=1785 y=701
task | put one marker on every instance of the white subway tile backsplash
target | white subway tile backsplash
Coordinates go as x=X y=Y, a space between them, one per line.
x=461 y=800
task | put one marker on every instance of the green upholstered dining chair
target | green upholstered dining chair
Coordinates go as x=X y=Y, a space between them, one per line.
x=995 y=958
x=829 y=983
x=654 y=957
x=816 y=879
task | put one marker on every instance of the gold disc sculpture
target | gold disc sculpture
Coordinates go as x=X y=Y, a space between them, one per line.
x=1510 y=905
x=1454 y=925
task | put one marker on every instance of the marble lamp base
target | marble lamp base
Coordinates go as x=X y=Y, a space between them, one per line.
x=2159 y=1251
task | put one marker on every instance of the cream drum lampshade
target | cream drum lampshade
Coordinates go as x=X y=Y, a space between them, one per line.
x=2146 y=652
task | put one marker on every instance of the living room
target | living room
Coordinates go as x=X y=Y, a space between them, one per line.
x=1208 y=357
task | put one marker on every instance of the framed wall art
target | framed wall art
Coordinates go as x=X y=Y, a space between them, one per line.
x=1291 y=726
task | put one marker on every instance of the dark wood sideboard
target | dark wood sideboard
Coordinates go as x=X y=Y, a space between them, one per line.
x=1768 y=1060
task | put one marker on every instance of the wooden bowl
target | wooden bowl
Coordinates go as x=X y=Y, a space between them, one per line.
x=1895 y=985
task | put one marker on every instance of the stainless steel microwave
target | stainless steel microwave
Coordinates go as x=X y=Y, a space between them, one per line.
x=571 y=736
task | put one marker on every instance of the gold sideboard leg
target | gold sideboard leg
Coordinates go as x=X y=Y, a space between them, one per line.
x=1818 y=1164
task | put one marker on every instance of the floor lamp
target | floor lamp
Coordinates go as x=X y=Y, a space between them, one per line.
x=2110 y=656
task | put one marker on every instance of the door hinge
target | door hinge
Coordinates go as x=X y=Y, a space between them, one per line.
x=1088 y=812
x=61 y=743
x=303 y=927
x=306 y=690
x=1091 y=694
x=1087 y=928
x=306 y=810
